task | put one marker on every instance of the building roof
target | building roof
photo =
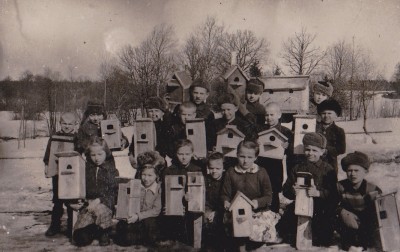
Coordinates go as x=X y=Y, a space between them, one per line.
x=240 y=195
x=231 y=128
x=299 y=82
x=232 y=69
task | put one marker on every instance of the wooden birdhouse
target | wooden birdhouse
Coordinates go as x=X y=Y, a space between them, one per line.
x=270 y=142
x=144 y=136
x=242 y=215
x=71 y=175
x=196 y=187
x=388 y=229
x=174 y=193
x=302 y=124
x=228 y=139
x=111 y=133
x=196 y=132
x=236 y=78
x=128 y=202
x=291 y=93
x=58 y=144
x=178 y=87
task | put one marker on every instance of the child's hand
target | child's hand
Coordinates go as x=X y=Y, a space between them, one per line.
x=188 y=196
x=285 y=145
x=93 y=204
x=134 y=218
x=227 y=205
x=132 y=161
x=210 y=217
x=123 y=143
x=46 y=171
x=313 y=192
x=255 y=203
x=350 y=219
x=77 y=206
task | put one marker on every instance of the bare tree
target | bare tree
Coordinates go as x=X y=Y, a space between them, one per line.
x=338 y=61
x=300 y=55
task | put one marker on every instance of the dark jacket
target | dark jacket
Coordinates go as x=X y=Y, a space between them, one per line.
x=213 y=193
x=256 y=113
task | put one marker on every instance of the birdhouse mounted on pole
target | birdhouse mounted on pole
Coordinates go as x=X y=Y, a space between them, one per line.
x=236 y=78
x=178 y=87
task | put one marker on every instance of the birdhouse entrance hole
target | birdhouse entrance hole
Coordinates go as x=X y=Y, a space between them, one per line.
x=272 y=138
x=143 y=136
x=193 y=179
x=230 y=135
x=69 y=167
x=305 y=126
x=190 y=131
x=128 y=190
x=241 y=211
x=110 y=126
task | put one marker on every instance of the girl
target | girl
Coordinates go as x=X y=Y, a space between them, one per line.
x=95 y=212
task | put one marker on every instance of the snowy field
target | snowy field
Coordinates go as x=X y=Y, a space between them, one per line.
x=25 y=194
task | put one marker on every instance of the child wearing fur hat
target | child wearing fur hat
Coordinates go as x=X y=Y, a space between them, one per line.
x=322 y=192
x=322 y=90
x=329 y=110
x=355 y=209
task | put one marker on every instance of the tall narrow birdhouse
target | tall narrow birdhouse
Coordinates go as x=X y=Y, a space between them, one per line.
x=236 y=78
x=302 y=124
x=291 y=93
x=242 y=215
x=128 y=202
x=196 y=187
x=111 y=133
x=178 y=87
x=228 y=139
x=196 y=132
x=71 y=175
x=304 y=205
x=144 y=136
x=58 y=144
x=388 y=230
x=174 y=193
x=270 y=142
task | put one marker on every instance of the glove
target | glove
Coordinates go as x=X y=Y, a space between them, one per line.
x=350 y=219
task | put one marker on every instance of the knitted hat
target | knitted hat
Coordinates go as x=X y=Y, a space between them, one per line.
x=329 y=104
x=227 y=98
x=155 y=103
x=355 y=158
x=324 y=87
x=199 y=83
x=255 y=86
x=95 y=108
x=314 y=139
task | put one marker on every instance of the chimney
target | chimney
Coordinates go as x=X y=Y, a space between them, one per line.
x=233 y=58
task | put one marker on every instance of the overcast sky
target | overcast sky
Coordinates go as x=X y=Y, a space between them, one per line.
x=62 y=33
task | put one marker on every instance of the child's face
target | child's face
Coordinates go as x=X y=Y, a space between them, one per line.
x=216 y=168
x=155 y=114
x=187 y=114
x=272 y=116
x=184 y=155
x=319 y=97
x=328 y=116
x=313 y=153
x=199 y=95
x=252 y=97
x=246 y=158
x=96 y=118
x=148 y=177
x=97 y=154
x=67 y=126
x=228 y=111
x=356 y=174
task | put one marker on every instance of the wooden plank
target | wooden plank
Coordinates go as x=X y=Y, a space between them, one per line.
x=304 y=233
x=197 y=228
x=174 y=193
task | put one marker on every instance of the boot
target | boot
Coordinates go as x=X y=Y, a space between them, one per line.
x=104 y=239
x=53 y=230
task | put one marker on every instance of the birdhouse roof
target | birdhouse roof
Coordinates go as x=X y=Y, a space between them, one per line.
x=240 y=195
x=144 y=119
x=183 y=78
x=305 y=116
x=195 y=120
x=231 y=128
x=232 y=69
x=282 y=83
x=275 y=132
x=67 y=154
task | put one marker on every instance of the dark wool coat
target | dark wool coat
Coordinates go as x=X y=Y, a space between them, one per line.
x=213 y=193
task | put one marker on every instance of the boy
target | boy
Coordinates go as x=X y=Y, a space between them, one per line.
x=273 y=166
x=322 y=90
x=329 y=110
x=356 y=210
x=68 y=123
x=322 y=191
x=253 y=112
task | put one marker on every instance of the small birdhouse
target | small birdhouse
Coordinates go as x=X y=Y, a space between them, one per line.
x=196 y=132
x=128 y=202
x=196 y=187
x=178 y=87
x=291 y=93
x=58 y=144
x=174 y=193
x=304 y=205
x=270 y=142
x=228 y=139
x=242 y=215
x=388 y=229
x=144 y=136
x=236 y=78
x=71 y=175
x=302 y=124
x=111 y=133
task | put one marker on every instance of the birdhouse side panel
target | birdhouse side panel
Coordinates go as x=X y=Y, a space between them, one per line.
x=71 y=178
x=145 y=137
x=123 y=201
x=111 y=133
x=196 y=132
x=304 y=205
x=174 y=193
x=55 y=147
x=196 y=187
x=290 y=101
x=302 y=126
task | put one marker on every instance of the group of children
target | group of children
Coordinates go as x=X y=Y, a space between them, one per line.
x=342 y=206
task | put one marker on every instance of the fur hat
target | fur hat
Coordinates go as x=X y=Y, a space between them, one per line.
x=228 y=98
x=324 y=87
x=355 y=158
x=255 y=86
x=94 y=107
x=315 y=139
x=199 y=83
x=330 y=104
x=155 y=103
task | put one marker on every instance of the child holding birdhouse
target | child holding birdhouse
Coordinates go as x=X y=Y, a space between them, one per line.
x=96 y=211
x=60 y=142
x=143 y=227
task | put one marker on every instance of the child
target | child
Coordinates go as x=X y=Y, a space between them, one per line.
x=273 y=166
x=180 y=227
x=142 y=227
x=90 y=126
x=322 y=191
x=322 y=90
x=253 y=112
x=68 y=123
x=95 y=213
x=329 y=110
x=253 y=182
x=356 y=210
